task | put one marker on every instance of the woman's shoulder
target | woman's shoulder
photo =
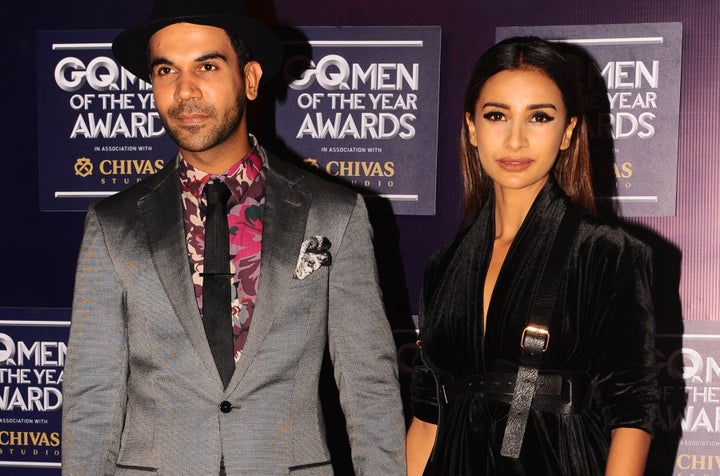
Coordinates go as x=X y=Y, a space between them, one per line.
x=440 y=258
x=438 y=264
x=610 y=239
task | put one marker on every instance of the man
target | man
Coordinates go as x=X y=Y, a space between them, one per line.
x=147 y=385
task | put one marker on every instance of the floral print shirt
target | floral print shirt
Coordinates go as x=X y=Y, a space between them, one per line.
x=246 y=181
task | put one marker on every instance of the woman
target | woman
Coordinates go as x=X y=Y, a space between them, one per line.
x=525 y=164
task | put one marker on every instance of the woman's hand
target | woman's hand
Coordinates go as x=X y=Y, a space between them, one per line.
x=628 y=452
x=420 y=441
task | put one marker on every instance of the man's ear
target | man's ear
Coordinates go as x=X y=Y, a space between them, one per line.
x=253 y=73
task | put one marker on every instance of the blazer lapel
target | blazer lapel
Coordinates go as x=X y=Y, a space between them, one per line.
x=161 y=213
x=284 y=220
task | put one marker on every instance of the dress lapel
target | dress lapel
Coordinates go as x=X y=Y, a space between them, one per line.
x=517 y=284
x=161 y=213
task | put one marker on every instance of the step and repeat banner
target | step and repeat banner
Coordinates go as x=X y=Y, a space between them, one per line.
x=687 y=433
x=33 y=344
x=98 y=130
x=361 y=105
x=631 y=74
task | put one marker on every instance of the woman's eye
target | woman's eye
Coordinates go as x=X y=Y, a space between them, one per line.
x=494 y=116
x=542 y=117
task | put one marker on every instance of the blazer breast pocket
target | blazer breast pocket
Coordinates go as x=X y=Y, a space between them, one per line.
x=316 y=469
x=134 y=470
x=304 y=294
x=317 y=277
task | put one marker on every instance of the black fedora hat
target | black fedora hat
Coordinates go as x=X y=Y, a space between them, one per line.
x=130 y=46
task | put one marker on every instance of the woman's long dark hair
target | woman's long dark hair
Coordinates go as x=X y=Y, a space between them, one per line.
x=572 y=168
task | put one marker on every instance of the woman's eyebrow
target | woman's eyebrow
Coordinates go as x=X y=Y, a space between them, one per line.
x=500 y=105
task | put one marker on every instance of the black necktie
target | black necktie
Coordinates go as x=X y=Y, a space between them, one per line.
x=216 y=280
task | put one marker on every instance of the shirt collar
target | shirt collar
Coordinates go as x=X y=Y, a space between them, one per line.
x=244 y=171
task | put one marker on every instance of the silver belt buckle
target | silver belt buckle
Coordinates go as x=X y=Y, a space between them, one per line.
x=537 y=332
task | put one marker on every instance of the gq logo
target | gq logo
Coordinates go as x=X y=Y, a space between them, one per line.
x=334 y=73
x=331 y=72
x=7 y=348
x=83 y=167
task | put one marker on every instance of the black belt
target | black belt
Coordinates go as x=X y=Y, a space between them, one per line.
x=563 y=394
x=536 y=336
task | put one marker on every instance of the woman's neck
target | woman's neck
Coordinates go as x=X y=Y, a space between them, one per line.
x=511 y=208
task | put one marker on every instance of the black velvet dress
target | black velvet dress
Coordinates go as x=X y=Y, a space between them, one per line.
x=602 y=331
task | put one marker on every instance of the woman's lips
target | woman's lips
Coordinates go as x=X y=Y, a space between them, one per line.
x=514 y=164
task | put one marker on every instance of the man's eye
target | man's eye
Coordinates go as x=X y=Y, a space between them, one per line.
x=162 y=71
x=494 y=116
x=208 y=67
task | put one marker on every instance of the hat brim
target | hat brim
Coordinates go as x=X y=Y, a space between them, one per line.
x=130 y=47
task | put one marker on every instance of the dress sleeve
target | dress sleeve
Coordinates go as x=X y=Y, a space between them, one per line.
x=627 y=383
x=423 y=393
x=423 y=389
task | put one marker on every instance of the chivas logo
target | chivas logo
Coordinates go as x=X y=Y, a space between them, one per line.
x=311 y=163
x=83 y=167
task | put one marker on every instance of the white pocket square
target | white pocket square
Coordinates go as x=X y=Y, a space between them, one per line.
x=313 y=254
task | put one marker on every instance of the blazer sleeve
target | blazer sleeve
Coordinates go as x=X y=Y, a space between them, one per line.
x=94 y=381
x=363 y=353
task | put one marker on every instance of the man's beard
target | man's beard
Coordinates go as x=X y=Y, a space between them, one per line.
x=193 y=138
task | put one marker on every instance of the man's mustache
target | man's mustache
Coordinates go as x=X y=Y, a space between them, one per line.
x=186 y=108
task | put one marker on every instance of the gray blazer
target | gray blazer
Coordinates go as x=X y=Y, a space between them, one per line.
x=141 y=390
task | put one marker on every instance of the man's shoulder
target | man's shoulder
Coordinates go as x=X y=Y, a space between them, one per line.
x=128 y=198
x=308 y=180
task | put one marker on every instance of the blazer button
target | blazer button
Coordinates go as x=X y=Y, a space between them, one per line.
x=225 y=406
